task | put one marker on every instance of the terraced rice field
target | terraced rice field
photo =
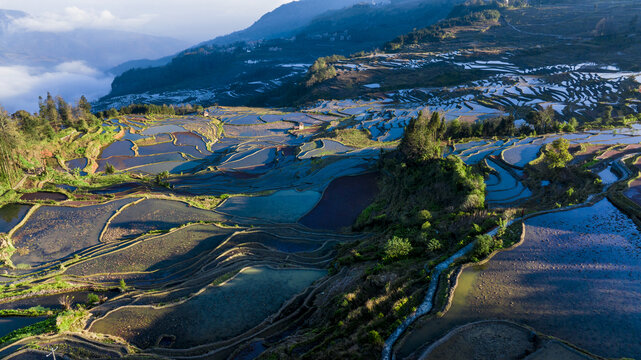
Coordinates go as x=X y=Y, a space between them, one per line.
x=156 y=255
x=521 y=155
x=11 y=215
x=333 y=212
x=503 y=188
x=575 y=276
x=217 y=313
x=153 y=214
x=205 y=283
x=286 y=206
x=56 y=232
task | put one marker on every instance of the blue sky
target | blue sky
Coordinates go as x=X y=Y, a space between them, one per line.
x=190 y=20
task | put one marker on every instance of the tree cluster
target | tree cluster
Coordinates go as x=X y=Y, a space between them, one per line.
x=422 y=137
x=441 y=30
x=322 y=70
x=150 y=109
x=21 y=128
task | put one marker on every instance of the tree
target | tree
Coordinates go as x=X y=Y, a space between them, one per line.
x=65 y=112
x=607 y=115
x=321 y=70
x=49 y=112
x=10 y=139
x=420 y=142
x=84 y=105
x=571 y=125
x=397 y=247
x=484 y=245
x=557 y=153
x=542 y=121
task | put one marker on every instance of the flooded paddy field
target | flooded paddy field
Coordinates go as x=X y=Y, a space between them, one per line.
x=576 y=276
x=156 y=253
x=11 y=215
x=9 y=324
x=44 y=196
x=217 y=313
x=285 y=206
x=56 y=232
x=154 y=214
x=332 y=212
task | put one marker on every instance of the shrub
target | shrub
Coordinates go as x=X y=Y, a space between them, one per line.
x=66 y=301
x=483 y=246
x=397 y=247
x=375 y=338
x=434 y=245
x=93 y=299
x=72 y=320
x=109 y=169
x=122 y=285
x=424 y=215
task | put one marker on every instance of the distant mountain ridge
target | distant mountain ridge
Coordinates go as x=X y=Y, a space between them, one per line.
x=285 y=20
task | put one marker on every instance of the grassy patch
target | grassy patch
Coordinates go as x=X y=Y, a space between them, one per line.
x=358 y=139
x=43 y=327
x=34 y=311
x=72 y=320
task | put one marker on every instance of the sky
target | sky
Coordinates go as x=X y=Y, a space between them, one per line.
x=190 y=20
x=193 y=21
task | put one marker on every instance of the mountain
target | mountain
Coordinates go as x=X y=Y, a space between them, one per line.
x=238 y=72
x=284 y=20
x=139 y=64
x=95 y=47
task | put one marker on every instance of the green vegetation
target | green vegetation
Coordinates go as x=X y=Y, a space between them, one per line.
x=27 y=288
x=72 y=320
x=469 y=14
x=428 y=207
x=397 y=248
x=569 y=183
x=322 y=70
x=150 y=109
x=34 y=144
x=355 y=138
x=43 y=327
x=421 y=142
x=33 y=311
x=557 y=154
x=122 y=285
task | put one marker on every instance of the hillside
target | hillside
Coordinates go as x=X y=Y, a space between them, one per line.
x=476 y=46
x=236 y=73
x=283 y=21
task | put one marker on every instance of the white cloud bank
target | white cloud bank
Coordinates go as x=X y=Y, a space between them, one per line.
x=21 y=85
x=74 y=17
x=191 y=20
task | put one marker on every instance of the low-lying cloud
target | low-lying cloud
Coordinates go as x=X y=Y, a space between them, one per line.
x=75 y=18
x=21 y=85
